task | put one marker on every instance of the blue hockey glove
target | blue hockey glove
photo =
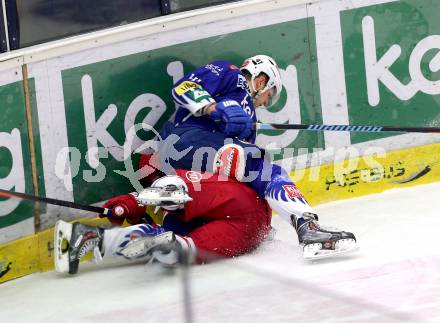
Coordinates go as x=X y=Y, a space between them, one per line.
x=233 y=120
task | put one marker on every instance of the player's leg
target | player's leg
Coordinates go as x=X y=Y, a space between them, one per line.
x=174 y=223
x=146 y=242
x=73 y=241
x=272 y=182
x=249 y=164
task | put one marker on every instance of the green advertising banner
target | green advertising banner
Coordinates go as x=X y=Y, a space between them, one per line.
x=392 y=64
x=15 y=167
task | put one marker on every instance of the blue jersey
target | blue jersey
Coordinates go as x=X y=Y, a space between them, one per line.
x=215 y=82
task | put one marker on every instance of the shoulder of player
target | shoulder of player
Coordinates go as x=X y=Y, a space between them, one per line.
x=223 y=67
x=224 y=63
x=190 y=176
x=236 y=79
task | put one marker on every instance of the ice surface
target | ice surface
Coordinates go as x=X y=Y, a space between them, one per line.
x=394 y=277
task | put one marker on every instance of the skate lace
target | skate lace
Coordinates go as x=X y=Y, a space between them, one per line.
x=87 y=246
x=314 y=225
x=331 y=229
x=312 y=222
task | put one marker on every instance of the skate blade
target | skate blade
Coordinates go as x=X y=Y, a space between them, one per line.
x=62 y=232
x=141 y=247
x=153 y=196
x=314 y=251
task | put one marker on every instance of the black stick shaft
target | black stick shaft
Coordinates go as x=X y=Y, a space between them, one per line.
x=312 y=127
x=48 y=200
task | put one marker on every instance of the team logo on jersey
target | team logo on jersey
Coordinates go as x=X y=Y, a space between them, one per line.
x=198 y=95
x=246 y=106
x=194 y=78
x=186 y=86
x=229 y=103
x=214 y=69
x=193 y=177
x=292 y=191
x=243 y=84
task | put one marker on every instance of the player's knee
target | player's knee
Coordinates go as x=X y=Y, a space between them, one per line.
x=230 y=161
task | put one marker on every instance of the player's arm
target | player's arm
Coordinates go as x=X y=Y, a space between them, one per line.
x=193 y=97
x=168 y=192
x=196 y=90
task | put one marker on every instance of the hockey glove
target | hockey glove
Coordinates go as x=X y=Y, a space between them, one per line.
x=232 y=119
x=124 y=207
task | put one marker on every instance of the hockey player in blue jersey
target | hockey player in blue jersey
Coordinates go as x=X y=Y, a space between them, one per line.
x=214 y=130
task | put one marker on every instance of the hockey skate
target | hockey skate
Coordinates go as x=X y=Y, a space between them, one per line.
x=163 y=196
x=144 y=247
x=72 y=242
x=321 y=242
x=162 y=247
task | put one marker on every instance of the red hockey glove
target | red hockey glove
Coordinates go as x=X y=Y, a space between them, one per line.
x=124 y=207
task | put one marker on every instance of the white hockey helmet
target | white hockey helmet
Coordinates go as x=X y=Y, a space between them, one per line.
x=170 y=180
x=258 y=64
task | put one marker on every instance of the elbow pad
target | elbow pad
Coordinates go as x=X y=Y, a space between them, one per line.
x=192 y=96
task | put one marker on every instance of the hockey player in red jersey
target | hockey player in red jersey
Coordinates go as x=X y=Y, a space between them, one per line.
x=225 y=218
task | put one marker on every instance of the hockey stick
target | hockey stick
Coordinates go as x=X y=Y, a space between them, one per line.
x=48 y=200
x=314 y=127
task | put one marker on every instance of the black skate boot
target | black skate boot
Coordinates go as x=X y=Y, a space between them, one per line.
x=80 y=239
x=321 y=242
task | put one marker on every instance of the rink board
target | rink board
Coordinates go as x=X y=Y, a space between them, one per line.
x=31 y=254
x=369 y=174
x=352 y=178
x=85 y=93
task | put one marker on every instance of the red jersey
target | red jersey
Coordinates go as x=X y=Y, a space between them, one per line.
x=236 y=219
x=216 y=197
